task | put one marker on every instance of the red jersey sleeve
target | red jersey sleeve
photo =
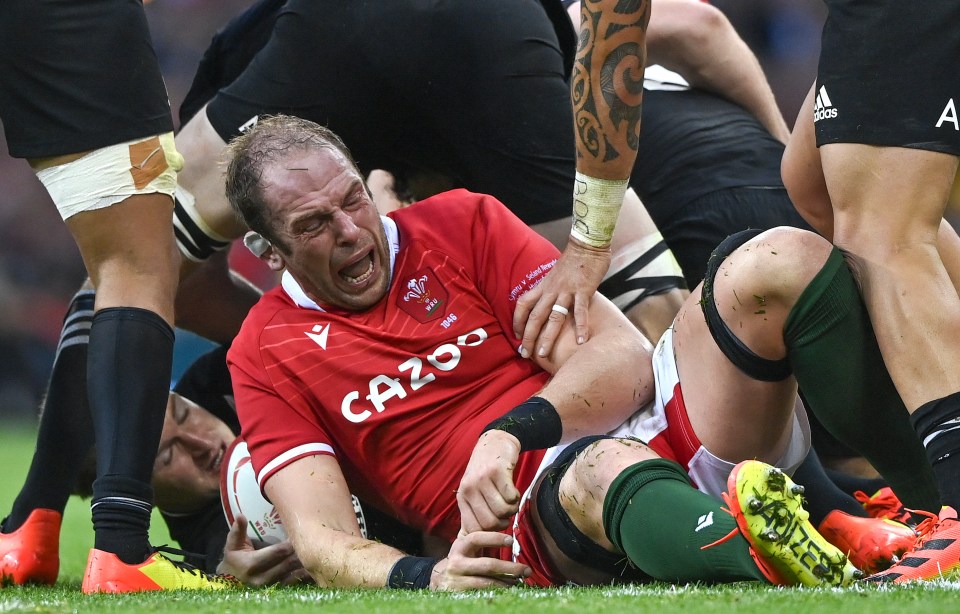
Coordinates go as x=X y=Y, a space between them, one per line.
x=277 y=433
x=509 y=258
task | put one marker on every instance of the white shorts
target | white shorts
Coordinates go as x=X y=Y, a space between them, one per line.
x=111 y=174
x=663 y=425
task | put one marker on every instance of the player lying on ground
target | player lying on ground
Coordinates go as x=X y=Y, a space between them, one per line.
x=388 y=350
x=200 y=423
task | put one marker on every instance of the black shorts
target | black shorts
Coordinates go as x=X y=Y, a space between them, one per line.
x=693 y=231
x=474 y=91
x=889 y=74
x=77 y=75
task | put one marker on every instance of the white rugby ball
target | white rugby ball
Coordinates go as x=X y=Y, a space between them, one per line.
x=240 y=494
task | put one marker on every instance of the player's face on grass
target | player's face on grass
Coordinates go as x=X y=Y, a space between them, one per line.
x=186 y=473
x=337 y=248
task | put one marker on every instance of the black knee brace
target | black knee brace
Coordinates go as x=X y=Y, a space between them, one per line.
x=736 y=351
x=567 y=536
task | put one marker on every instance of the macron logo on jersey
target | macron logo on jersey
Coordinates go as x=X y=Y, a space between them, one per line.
x=823 y=108
x=319 y=335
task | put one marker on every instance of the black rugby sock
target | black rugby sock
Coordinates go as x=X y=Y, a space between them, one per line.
x=65 y=436
x=121 y=510
x=128 y=377
x=821 y=495
x=938 y=425
x=850 y=484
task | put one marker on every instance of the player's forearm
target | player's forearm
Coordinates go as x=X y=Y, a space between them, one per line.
x=337 y=559
x=607 y=87
x=314 y=503
x=737 y=76
x=699 y=42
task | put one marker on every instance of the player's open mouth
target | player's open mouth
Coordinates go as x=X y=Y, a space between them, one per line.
x=215 y=465
x=360 y=271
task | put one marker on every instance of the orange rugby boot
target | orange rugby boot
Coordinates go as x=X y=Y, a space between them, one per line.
x=107 y=574
x=873 y=544
x=935 y=554
x=31 y=554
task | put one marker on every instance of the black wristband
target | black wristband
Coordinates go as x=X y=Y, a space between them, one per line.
x=412 y=572
x=535 y=422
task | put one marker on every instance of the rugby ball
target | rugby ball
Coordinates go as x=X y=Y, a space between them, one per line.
x=240 y=494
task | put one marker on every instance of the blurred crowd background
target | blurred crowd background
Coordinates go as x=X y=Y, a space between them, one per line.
x=40 y=267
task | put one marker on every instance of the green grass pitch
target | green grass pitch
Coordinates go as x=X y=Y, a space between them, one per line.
x=16 y=448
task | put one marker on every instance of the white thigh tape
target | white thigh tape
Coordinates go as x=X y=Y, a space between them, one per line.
x=111 y=174
x=643 y=268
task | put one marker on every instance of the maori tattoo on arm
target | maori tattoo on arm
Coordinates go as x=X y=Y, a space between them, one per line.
x=607 y=85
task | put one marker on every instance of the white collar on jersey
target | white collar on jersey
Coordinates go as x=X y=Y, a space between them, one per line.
x=298 y=296
x=656 y=77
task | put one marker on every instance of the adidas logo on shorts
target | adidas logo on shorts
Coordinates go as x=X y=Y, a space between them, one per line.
x=823 y=109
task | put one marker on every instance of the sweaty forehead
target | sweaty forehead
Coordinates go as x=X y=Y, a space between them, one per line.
x=299 y=171
x=306 y=159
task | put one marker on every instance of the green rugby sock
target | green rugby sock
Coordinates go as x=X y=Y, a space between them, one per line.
x=835 y=357
x=654 y=515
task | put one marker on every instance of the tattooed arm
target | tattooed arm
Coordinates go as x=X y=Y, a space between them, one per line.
x=607 y=85
x=606 y=91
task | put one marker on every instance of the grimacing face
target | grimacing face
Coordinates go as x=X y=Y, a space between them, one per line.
x=186 y=473
x=337 y=248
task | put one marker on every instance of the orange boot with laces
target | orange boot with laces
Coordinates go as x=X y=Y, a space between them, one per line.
x=935 y=554
x=873 y=544
x=107 y=574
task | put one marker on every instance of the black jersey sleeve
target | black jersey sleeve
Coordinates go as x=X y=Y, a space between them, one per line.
x=229 y=53
x=207 y=383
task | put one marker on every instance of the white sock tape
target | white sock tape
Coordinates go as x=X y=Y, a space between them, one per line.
x=596 y=207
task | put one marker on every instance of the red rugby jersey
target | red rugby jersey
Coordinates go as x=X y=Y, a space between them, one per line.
x=399 y=393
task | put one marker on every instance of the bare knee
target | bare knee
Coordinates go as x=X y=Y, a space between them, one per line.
x=777 y=264
x=584 y=485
